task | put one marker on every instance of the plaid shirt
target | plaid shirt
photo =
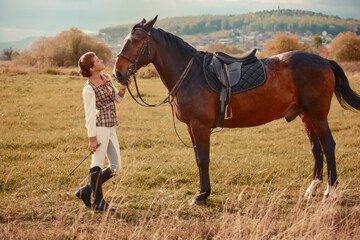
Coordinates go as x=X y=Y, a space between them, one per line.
x=105 y=105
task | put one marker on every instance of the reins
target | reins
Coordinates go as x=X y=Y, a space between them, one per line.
x=167 y=99
x=172 y=93
x=133 y=69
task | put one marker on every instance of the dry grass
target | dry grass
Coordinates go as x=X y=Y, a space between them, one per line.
x=13 y=67
x=258 y=175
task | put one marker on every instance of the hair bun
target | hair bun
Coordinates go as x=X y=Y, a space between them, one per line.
x=86 y=62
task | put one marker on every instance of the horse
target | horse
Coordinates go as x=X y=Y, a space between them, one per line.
x=297 y=83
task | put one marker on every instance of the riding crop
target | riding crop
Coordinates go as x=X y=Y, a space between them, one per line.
x=70 y=173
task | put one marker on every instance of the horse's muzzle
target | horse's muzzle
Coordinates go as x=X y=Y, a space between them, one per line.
x=119 y=77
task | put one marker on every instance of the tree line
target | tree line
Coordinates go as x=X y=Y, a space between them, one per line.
x=65 y=49
x=294 y=21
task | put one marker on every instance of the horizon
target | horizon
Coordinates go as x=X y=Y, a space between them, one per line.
x=23 y=19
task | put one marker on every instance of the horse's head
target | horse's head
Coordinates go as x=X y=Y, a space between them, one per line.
x=135 y=51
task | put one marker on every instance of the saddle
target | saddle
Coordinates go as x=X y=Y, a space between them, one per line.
x=247 y=57
x=228 y=71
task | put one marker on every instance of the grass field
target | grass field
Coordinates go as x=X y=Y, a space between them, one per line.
x=258 y=175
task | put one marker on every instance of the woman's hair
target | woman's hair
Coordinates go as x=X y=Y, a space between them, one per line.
x=85 y=63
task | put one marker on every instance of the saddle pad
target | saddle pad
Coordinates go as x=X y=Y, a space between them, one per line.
x=252 y=76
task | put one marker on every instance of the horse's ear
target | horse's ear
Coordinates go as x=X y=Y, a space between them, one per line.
x=148 y=26
x=141 y=23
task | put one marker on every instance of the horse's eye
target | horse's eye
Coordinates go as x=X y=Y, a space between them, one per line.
x=135 y=41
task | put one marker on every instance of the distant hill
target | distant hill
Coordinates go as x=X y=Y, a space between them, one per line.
x=22 y=44
x=294 y=21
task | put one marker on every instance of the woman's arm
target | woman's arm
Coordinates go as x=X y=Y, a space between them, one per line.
x=90 y=115
x=120 y=93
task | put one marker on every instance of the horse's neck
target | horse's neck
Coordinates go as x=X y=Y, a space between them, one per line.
x=170 y=64
x=167 y=74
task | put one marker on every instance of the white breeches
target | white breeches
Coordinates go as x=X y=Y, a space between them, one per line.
x=109 y=147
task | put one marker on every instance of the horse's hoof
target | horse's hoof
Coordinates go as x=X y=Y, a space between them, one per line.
x=199 y=199
x=195 y=201
x=314 y=189
x=330 y=194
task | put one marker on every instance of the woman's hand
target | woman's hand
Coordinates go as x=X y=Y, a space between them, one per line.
x=93 y=144
x=123 y=88
x=122 y=91
x=129 y=81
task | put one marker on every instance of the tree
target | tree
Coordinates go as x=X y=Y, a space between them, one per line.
x=8 y=54
x=38 y=51
x=317 y=41
x=64 y=49
x=229 y=49
x=71 y=44
x=345 y=47
x=282 y=43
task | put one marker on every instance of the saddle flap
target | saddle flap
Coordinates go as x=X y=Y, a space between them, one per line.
x=233 y=69
x=234 y=73
x=219 y=70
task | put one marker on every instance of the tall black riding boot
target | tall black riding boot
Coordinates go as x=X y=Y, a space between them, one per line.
x=96 y=186
x=84 y=193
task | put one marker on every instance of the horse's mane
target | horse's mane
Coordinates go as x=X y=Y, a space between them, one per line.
x=176 y=43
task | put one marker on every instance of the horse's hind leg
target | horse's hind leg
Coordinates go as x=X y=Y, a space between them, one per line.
x=316 y=184
x=322 y=130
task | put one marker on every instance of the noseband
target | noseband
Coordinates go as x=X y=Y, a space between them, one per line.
x=132 y=67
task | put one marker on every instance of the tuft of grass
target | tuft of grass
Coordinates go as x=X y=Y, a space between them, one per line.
x=53 y=71
x=258 y=175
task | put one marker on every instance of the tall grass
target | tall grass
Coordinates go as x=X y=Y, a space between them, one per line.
x=258 y=175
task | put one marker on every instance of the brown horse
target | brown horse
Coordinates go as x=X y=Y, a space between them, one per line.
x=298 y=84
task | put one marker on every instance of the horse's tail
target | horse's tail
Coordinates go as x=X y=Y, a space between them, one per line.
x=347 y=98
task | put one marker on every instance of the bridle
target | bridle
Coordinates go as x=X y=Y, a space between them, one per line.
x=133 y=69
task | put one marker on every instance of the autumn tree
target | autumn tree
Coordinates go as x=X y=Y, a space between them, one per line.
x=64 y=49
x=229 y=49
x=282 y=42
x=345 y=47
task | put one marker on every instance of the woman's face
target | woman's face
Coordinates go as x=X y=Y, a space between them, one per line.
x=98 y=64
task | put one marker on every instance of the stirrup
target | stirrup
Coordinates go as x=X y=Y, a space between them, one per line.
x=226 y=112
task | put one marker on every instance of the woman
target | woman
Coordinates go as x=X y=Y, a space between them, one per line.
x=100 y=97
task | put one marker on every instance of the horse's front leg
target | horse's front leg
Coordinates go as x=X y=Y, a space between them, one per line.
x=200 y=136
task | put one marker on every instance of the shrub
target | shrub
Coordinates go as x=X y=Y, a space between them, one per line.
x=345 y=47
x=218 y=47
x=63 y=50
x=282 y=43
x=52 y=71
x=26 y=58
x=74 y=73
x=148 y=71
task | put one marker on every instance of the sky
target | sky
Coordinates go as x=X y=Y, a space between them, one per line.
x=20 y=19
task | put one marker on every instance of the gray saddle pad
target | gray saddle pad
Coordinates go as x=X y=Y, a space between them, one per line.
x=252 y=76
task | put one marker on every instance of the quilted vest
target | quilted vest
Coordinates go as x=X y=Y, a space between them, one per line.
x=105 y=105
